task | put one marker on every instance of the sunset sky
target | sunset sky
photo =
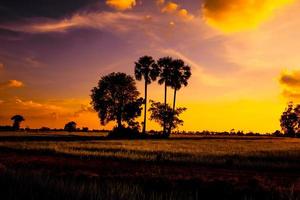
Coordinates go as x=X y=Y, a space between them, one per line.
x=244 y=54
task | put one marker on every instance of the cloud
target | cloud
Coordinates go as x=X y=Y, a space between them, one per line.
x=170 y=7
x=12 y=11
x=291 y=95
x=121 y=4
x=84 y=109
x=238 y=15
x=160 y=2
x=174 y=8
x=98 y=20
x=35 y=105
x=290 y=79
x=198 y=70
x=11 y=84
x=1 y=66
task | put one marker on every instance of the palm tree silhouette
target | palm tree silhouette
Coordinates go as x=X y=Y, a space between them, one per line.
x=17 y=121
x=179 y=77
x=165 y=65
x=146 y=68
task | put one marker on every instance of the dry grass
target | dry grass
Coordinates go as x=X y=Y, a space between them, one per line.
x=258 y=152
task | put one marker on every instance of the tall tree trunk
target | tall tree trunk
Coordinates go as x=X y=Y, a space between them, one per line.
x=174 y=103
x=119 y=123
x=145 y=111
x=174 y=99
x=119 y=119
x=164 y=131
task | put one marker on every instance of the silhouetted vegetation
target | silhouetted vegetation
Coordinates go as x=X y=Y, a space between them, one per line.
x=179 y=77
x=17 y=119
x=166 y=116
x=147 y=69
x=70 y=126
x=165 y=65
x=116 y=99
x=290 y=120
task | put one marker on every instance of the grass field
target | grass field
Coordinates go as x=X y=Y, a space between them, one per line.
x=249 y=167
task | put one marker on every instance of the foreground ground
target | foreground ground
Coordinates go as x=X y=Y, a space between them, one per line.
x=88 y=166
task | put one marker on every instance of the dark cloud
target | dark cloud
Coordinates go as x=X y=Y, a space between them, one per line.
x=18 y=10
x=290 y=79
x=291 y=83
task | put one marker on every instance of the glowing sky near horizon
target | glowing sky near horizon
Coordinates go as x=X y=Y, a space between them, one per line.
x=244 y=56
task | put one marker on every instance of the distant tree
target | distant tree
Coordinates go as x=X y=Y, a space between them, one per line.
x=85 y=129
x=116 y=99
x=166 y=116
x=289 y=120
x=45 y=129
x=179 y=77
x=17 y=119
x=147 y=69
x=165 y=65
x=70 y=126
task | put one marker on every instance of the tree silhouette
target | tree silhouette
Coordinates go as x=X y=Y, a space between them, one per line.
x=147 y=69
x=70 y=126
x=116 y=99
x=166 y=116
x=289 y=120
x=165 y=65
x=17 y=119
x=179 y=77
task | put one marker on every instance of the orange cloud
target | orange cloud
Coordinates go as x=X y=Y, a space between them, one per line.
x=184 y=14
x=121 y=4
x=160 y=2
x=290 y=79
x=174 y=8
x=11 y=84
x=238 y=15
x=1 y=66
x=291 y=83
x=170 y=7
x=34 y=105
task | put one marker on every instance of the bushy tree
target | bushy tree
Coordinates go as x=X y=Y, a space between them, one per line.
x=290 y=120
x=116 y=99
x=70 y=126
x=166 y=116
x=17 y=119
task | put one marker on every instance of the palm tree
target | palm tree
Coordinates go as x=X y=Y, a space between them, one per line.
x=179 y=77
x=146 y=68
x=17 y=121
x=165 y=65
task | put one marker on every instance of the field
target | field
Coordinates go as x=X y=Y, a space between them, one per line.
x=90 y=166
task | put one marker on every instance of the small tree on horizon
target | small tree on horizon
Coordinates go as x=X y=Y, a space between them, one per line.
x=147 y=69
x=116 y=99
x=70 y=126
x=17 y=119
x=289 y=120
x=166 y=116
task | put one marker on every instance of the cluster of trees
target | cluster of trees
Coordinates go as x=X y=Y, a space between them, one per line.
x=290 y=120
x=116 y=97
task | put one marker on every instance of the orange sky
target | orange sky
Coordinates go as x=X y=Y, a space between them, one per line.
x=244 y=57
